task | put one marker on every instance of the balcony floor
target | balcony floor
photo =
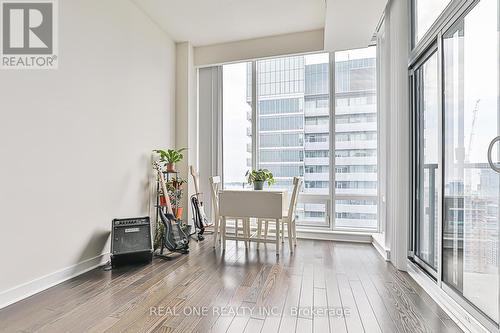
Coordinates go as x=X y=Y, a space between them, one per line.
x=158 y=297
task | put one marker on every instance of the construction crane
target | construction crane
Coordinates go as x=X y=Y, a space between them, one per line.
x=474 y=117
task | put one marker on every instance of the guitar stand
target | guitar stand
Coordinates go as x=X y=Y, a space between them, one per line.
x=168 y=255
x=205 y=231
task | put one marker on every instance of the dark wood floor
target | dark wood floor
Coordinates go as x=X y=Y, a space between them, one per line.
x=238 y=291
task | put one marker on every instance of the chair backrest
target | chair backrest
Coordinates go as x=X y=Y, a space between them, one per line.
x=297 y=183
x=215 y=184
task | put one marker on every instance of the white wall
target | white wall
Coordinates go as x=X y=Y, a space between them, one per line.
x=75 y=142
x=186 y=127
x=398 y=136
x=299 y=42
x=351 y=24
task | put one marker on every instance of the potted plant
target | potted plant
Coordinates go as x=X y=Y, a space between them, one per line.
x=178 y=182
x=170 y=157
x=174 y=188
x=258 y=177
x=163 y=201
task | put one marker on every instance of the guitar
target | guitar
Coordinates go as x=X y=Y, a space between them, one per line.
x=175 y=238
x=198 y=202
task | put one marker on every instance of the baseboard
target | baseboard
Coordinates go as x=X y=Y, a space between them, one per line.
x=384 y=252
x=339 y=236
x=30 y=288
x=461 y=317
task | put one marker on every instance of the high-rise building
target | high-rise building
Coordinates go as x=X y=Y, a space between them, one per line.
x=294 y=125
x=356 y=140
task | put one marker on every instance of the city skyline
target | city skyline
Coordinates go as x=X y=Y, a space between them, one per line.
x=293 y=122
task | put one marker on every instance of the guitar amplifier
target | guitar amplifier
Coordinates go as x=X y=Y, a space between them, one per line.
x=131 y=241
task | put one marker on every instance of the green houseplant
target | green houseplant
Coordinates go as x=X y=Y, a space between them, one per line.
x=175 y=190
x=170 y=156
x=258 y=177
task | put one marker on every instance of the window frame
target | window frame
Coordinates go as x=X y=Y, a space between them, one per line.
x=433 y=38
x=327 y=199
x=453 y=10
x=416 y=146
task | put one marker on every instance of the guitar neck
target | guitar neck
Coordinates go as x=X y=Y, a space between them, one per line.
x=195 y=181
x=163 y=185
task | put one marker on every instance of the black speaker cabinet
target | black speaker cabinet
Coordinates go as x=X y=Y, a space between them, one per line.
x=131 y=241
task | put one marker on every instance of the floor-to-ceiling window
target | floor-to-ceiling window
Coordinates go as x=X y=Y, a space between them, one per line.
x=471 y=186
x=287 y=128
x=293 y=124
x=456 y=196
x=356 y=139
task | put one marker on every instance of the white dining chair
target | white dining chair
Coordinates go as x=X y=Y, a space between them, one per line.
x=289 y=218
x=215 y=183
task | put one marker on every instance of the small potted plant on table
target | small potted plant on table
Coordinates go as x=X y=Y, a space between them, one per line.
x=258 y=177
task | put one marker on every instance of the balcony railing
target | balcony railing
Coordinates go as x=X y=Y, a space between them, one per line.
x=355 y=127
x=317 y=203
x=317 y=146
x=321 y=128
x=317 y=160
x=354 y=109
x=463 y=206
x=356 y=176
x=317 y=112
x=356 y=144
x=325 y=176
x=370 y=160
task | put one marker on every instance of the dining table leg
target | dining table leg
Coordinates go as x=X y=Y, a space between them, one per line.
x=216 y=230
x=246 y=231
x=266 y=228
x=282 y=231
x=277 y=237
x=223 y=232
x=259 y=231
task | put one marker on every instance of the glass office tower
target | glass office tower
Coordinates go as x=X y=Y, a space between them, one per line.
x=293 y=123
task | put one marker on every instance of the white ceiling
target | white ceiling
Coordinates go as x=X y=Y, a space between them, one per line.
x=205 y=22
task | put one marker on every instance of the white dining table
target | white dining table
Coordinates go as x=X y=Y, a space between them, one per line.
x=244 y=204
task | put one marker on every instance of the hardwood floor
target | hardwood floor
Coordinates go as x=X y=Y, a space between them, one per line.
x=238 y=291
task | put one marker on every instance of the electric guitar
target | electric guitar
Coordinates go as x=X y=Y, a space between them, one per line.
x=175 y=238
x=198 y=202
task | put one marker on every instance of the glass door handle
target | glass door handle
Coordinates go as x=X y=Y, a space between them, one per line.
x=490 y=148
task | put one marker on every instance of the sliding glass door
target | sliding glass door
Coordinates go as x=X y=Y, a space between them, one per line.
x=471 y=186
x=456 y=156
x=427 y=120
